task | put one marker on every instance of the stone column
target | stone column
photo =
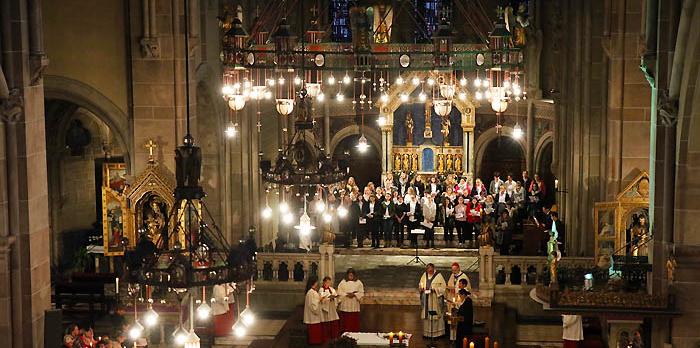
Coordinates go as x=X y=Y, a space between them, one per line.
x=386 y=149
x=5 y=285
x=327 y=265
x=468 y=149
x=530 y=136
x=327 y=128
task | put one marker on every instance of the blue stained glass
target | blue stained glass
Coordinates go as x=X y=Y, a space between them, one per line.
x=339 y=14
x=431 y=11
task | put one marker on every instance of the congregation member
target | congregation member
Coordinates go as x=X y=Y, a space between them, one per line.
x=330 y=321
x=466 y=311
x=419 y=185
x=447 y=219
x=415 y=216
x=432 y=290
x=434 y=186
x=387 y=211
x=312 y=312
x=509 y=183
x=370 y=217
x=461 y=216
x=474 y=212
x=400 y=220
x=503 y=231
x=350 y=292
x=479 y=190
x=429 y=214
x=496 y=183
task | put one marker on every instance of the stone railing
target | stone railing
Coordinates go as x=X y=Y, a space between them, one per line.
x=294 y=267
x=517 y=272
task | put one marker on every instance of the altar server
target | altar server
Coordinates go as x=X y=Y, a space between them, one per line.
x=312 y=312
x=432 y=289
x=350 y=292
x=330 y=322
x=466 y=311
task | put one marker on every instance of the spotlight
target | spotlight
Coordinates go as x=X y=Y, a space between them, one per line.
x=342 y=212
x=136 y=330
x=266 y=212
x=203 y=311
x=247 y=317
x=284 y=207
x=415 y=81
x=517 y=131
x=320 y=206
x=239 y=329
x=231 y=130
x=150 y=318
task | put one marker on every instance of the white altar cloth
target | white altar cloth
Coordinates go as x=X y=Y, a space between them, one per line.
x=375 y=339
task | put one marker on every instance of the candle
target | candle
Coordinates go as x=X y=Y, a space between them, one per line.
x=116 y=285
x=556 y=183
x=487 y=342
x=400 y=337
x=471 y=344
x=464 y=342
x=391 y=338
x=495 y=344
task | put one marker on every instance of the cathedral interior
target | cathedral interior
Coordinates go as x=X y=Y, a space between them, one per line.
x=182 y=172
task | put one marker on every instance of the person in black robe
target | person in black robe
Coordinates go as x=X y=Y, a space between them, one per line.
x=466 y=311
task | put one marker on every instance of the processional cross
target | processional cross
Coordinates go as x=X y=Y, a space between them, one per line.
x=150 y=145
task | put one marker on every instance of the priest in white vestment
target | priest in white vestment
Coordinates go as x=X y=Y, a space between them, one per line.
x=350 y=293
x=432 y=290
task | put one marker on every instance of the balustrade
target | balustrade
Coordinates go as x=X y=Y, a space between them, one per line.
x=287 y=267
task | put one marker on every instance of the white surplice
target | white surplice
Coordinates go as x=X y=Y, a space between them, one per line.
x=432 y=290
x=350 y=304
x=312 y=307
x=329 y=311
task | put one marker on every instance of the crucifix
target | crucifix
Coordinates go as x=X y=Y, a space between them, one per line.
x=150 y=145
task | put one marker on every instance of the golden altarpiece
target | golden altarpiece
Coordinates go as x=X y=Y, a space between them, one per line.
x=622 y=224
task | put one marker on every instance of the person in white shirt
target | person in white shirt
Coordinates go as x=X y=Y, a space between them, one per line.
x=572 y=330
x=429 y=213
x=510 y=185
x=312 y=312
x=222 y=308
x=330 y=321
x=350 y=293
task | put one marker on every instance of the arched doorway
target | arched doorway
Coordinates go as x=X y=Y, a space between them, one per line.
x=502 y=154
x=544 y=170
x=364 y=166
x=78 y=144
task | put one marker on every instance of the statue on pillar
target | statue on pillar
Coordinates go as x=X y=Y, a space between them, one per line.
x=440 y=163
x=397 y=161
x=409 y=128
x=445 y=125
x=406 y=163
x=458 y=163
x=414 y=162
x=449 y=163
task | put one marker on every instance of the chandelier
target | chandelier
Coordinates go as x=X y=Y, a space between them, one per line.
x=190 y=253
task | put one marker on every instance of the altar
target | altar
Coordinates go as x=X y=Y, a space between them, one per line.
x=375 y=339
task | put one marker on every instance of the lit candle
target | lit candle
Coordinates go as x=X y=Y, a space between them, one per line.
x=391 y=338
x=556 y=183
x=116 y=285
x=464 y=342
x=471 y=344
x=495 y=344
x=400 y=337
x=487 y=342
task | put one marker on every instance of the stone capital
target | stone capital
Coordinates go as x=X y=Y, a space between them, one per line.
x=11 y=109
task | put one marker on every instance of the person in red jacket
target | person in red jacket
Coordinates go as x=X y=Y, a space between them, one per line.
x=474 y=212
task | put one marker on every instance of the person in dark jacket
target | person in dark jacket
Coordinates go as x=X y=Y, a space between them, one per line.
x=400 y=220
x=371 y=214
x=466 y=311
x=387 y=210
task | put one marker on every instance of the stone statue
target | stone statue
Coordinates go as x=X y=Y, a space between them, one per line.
x=440 y=163
x=449 y=163
x=414 y=162
x=640 y=236
x=445 y=131
x=671 y=265
x=409 y=128
x=458 y=163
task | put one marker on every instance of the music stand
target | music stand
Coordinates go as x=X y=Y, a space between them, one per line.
x=416 y=259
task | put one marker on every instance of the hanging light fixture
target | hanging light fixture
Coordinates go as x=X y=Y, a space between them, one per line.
x=284 y=106
x=247 y=317
x=180 y=336
x=517 y=131
x=150 y=318
x=442 y=107
x=136 y=330
x=362 y=144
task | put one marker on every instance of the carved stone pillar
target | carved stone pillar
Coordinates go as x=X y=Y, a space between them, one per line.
x=387 y=136
x=468 y=149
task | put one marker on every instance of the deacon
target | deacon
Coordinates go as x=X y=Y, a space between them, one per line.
x=432 y=288
x=312 y=312
x=350 y=292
